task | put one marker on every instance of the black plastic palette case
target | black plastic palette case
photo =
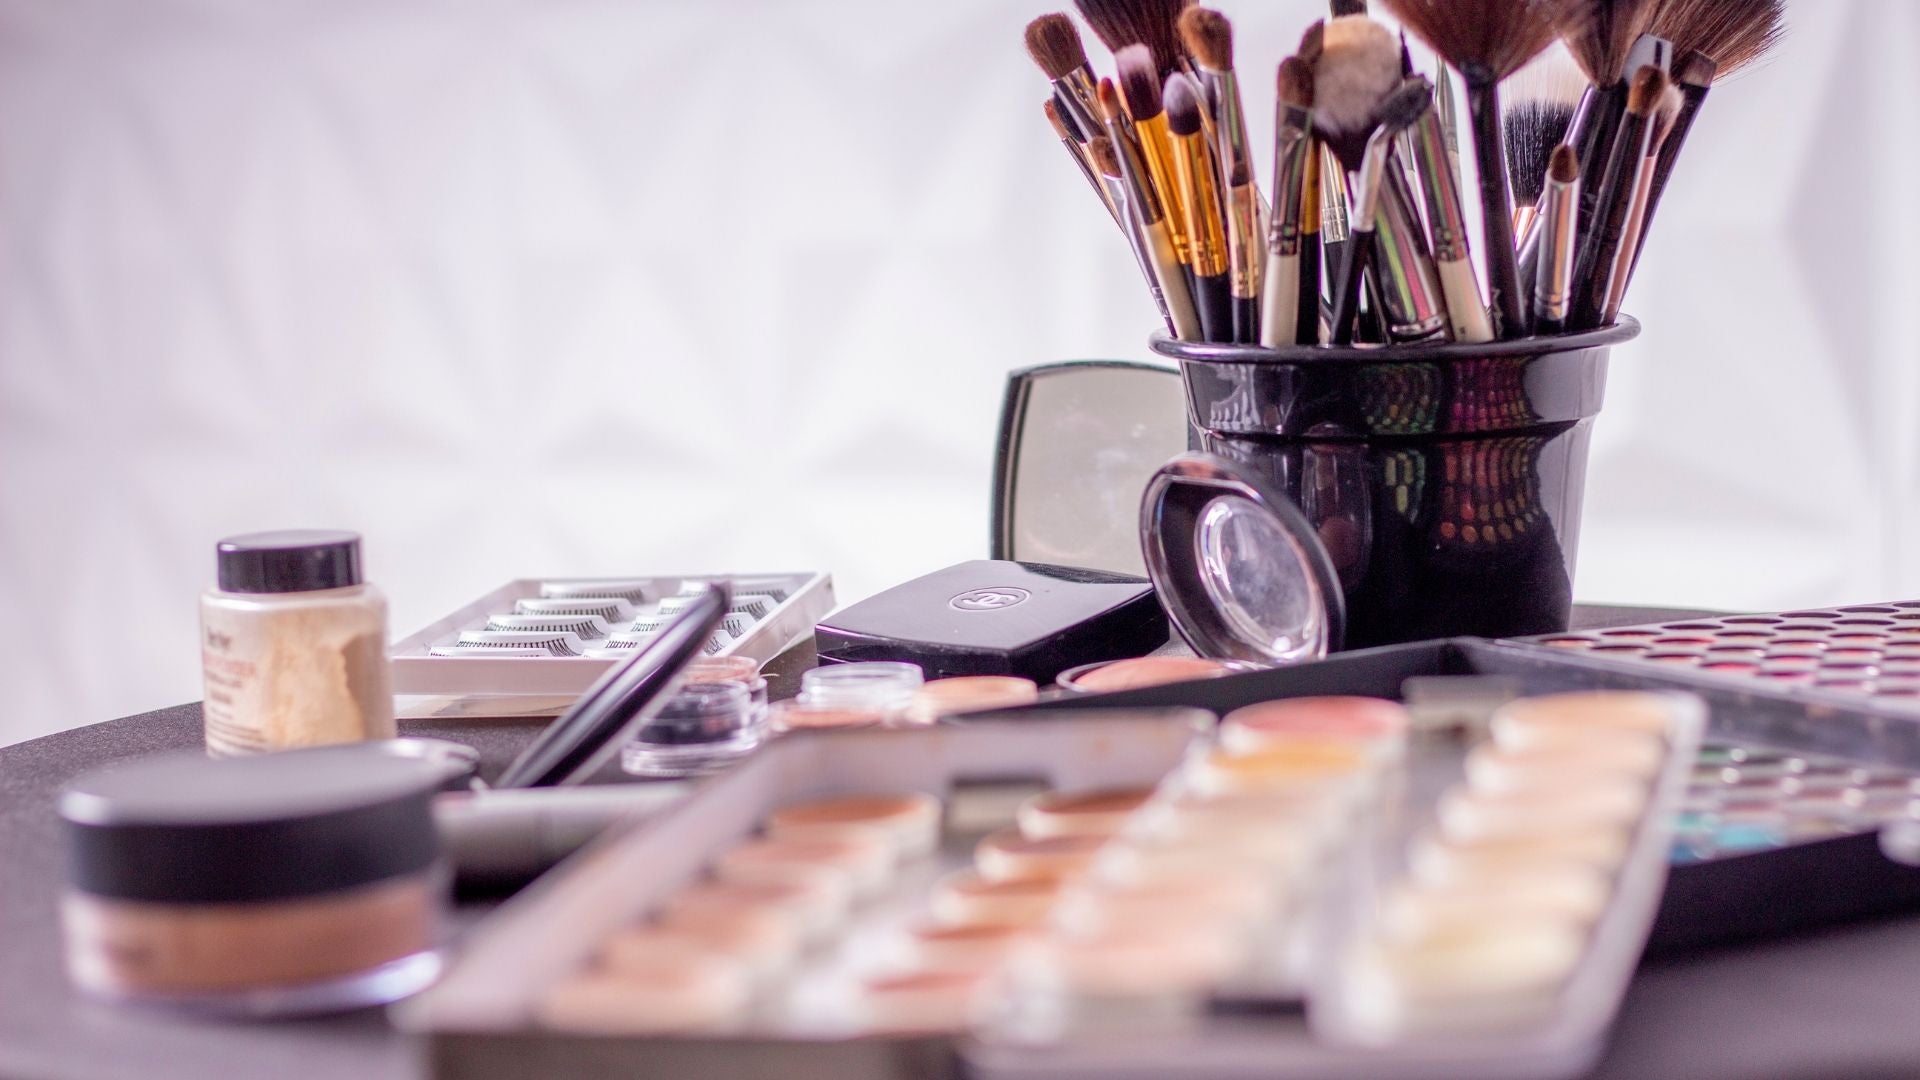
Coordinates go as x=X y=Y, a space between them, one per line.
x=533 y=645
x=1181 y=905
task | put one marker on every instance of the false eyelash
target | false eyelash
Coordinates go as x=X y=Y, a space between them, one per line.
x=753 y=605
x=477 y=652
x=773 y=590
x=633 y=592
x=613 y=608
x=583 y=626
x=556 y=644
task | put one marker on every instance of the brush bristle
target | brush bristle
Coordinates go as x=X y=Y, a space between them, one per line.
x=1665 y=112
x=1120 y=23
x=1533 y=129
x=1139 y=81
x=1359 y=65
x=1486 y=40
x=1054 y=43
x=1695 y=69
x=1403 y=107
x=1600 y=33
x=1731 y=33
x=1183 y=105
x=1563 y=165
x=1295 y=83
x=1347 y=7
x=1107 y=96
x=1105 y=158
x=1208 y=37
x=1313 y=40
x=1645 y=89
x=1053 y=117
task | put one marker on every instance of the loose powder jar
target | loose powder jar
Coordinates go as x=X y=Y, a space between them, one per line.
x=281 y=884
x=293 y=645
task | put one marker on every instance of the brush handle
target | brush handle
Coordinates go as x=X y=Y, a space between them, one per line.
x=1692 y=98
x=1354 y=256
x=1612 y=210
x=1173 y=282
x=1280 y=302
x=1246 y=320
x=1306 y=330
x=1496 y=207
x=1595 y=145
x=1582 y=131
x=1213 y=296
x=1465 y=312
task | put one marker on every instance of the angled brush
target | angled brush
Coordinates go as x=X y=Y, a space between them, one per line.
x=1209 y=40
x=1075 y=140
x=1054 y=43
x=1559 y=213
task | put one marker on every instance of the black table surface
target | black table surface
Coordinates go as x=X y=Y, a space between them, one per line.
x=1843 y=1003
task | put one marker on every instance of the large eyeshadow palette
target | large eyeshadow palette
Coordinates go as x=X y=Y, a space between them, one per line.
x=1315 y=887
x=552 y=637
x=1864 y=649
x=1743 y=799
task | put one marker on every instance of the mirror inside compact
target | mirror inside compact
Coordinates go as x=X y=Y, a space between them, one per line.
x=1077 y=443
x=1241 y=572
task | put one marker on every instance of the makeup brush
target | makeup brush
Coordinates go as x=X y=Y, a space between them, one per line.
x=1559 y=211
x=1209 y=40
x=1486 y=41
x=1290 y=313
x=1597 y=248
x=1396 y=111
x=1447 y=224
x=1200 y=193
x=1073 y=139
x=1539 y=103
x=1140 y=89
x=1714 y=39
x=1106 y=162
x=1054 y=43
x=1120 y=23
x=1621 y=269
x=1147 y=208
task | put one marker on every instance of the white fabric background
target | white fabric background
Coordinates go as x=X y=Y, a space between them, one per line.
x=585 y=286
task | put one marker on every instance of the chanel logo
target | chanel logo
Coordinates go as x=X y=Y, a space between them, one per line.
x=988 y=599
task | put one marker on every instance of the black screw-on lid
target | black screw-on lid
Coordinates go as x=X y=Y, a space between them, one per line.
x=184 y=828
x=290 y=560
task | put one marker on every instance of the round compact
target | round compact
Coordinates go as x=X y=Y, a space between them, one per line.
x=298 y=882
x=1469 y=815
x=1361 y=720
x=970 y=693
x=967 y=947
x=923 y=1000
x=759 y=951
x=1008 y=855
x=909 y=822
x=1080 y=813
x=1111 y=676
x=794 y=716
x=1300 y=766
x=1168 y=960
x=1212 y=898
x=817 y=907
x=1492 y=767
x=1242 y=573
x=1617 y=710
x=766 y=940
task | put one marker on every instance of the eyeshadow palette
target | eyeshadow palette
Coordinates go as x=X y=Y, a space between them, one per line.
x=532 y=645
x=1865 y=649
x=1284 y=896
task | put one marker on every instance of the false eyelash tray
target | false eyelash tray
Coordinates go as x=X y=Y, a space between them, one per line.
x=534 y=644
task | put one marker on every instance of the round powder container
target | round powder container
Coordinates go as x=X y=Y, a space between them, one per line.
x=1111 y=675
x=301 y=882
x=1010 y=856
x=703 y=728
x=883 y=686
x=970 y=693
x=1648 y=714
x=911 y=822
x=1081 y=813
x=1365 y=721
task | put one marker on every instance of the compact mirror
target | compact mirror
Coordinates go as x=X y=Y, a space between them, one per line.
x=1240 y=571
x=1078 y=442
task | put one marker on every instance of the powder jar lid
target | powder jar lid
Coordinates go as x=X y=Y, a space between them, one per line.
x=290 y=560
x=188 y=829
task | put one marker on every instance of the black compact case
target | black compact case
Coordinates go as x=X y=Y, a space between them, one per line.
x=995 y=617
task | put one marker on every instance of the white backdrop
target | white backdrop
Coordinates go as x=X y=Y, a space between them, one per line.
x=603 y=286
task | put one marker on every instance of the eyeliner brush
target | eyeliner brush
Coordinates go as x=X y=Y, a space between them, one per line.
x=1145 y=207
x=1209 y=40
x=1291 y=289
x=1621 y=270
x=1615 y=202
x=1559 y=213
x=1106 y=161
x=1200 y=192
x=1073 y=140
x=1396 y=112
x=1486 y=41
x=1054 y=44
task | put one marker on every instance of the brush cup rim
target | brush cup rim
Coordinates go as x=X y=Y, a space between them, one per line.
x=1625 y=329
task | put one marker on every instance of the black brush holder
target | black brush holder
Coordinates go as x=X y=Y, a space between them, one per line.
x=1444 y=480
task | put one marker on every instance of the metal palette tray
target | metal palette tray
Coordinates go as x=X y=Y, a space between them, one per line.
x=478 y=1021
